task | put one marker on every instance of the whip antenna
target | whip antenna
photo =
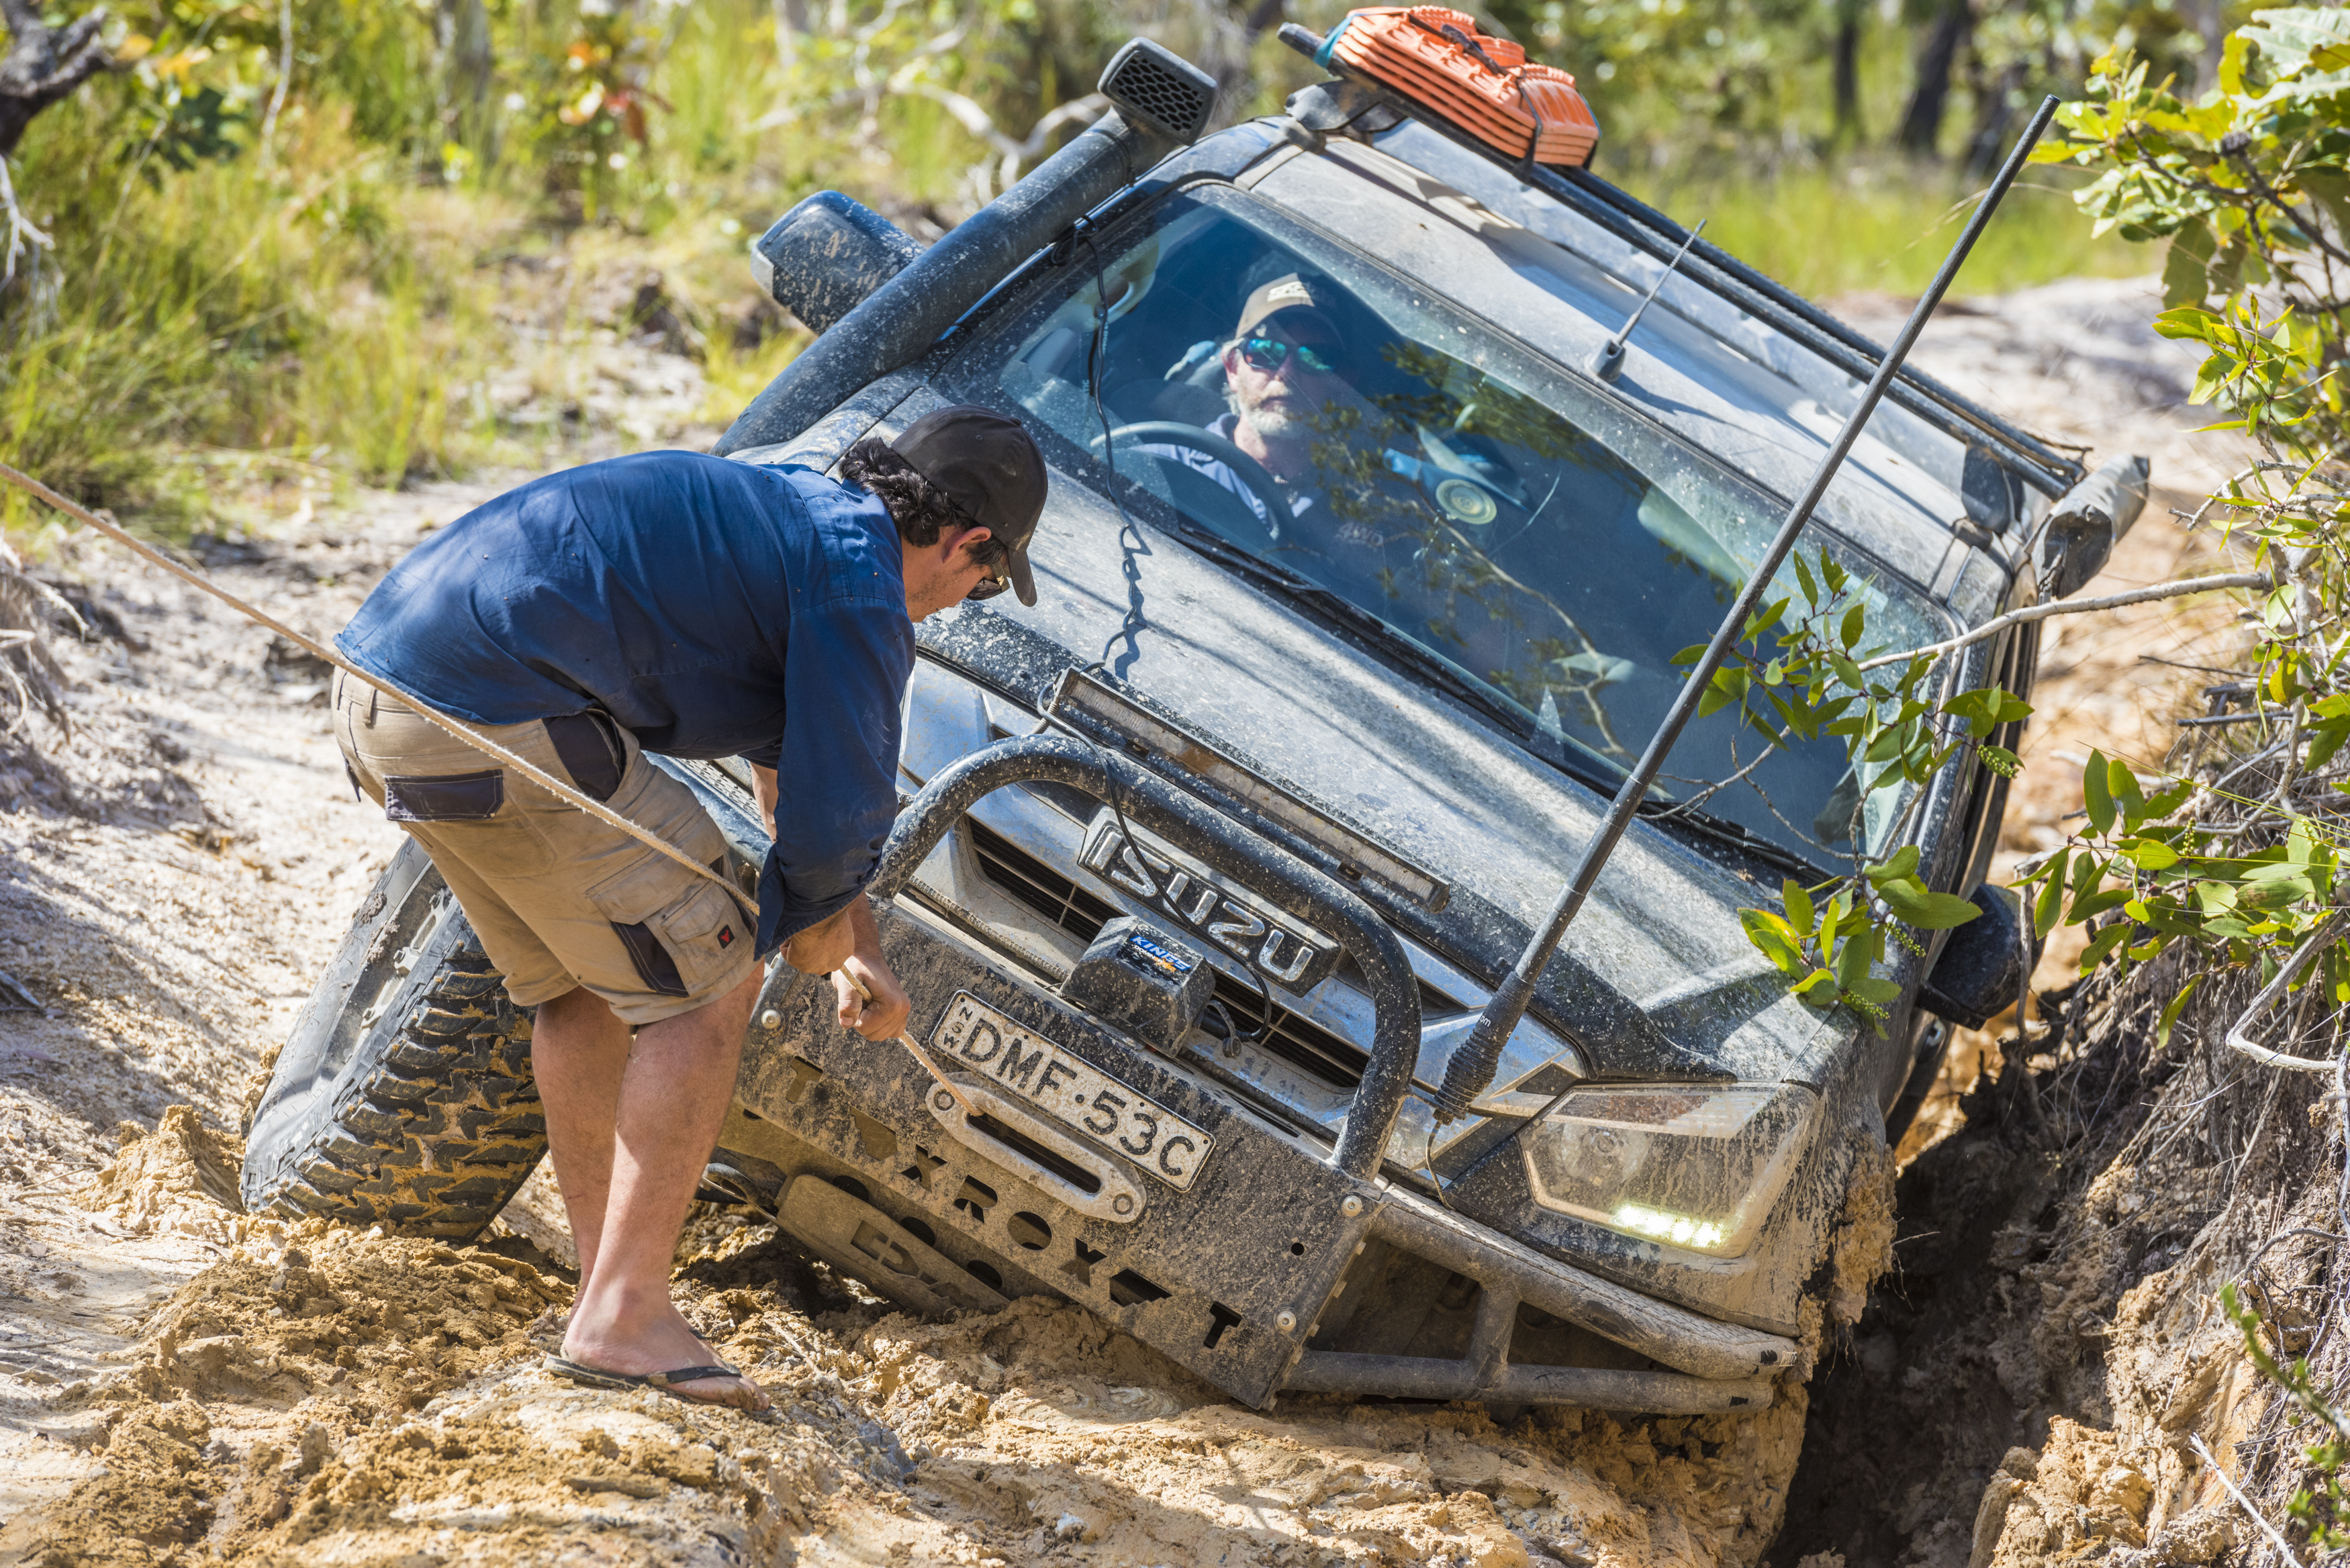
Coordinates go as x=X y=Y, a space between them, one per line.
x=1470 y=1073
x=1608 y=363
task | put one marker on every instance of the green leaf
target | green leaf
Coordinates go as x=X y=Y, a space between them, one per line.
x=1803 y=576
x=1928 y=911
x=1900 y=867
x=2050 y=902
x=2170 y=1014
x=2186 y=277
x=2232 y=63
x=2121 y=788
x=1799 y=904
x=1774 y=938
x=2087 y=871
x=1852 y=961
x=2162 y=804
x=2188 y=321
x=2103 y=944
x=2097 y=794
x=1856 y=621
x=2150 y=855
x=2097 y=904
x=1875 y=989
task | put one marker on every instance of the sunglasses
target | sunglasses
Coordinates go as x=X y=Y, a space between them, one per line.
x=1271 y=353
x=987 y=588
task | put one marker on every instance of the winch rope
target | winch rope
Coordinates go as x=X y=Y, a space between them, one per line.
x=456 y=727
x=929 y=1063
x=462 y=731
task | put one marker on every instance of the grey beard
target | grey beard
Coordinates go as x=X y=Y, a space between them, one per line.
x=1277 y=423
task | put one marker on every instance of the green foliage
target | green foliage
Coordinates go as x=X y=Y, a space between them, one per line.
x=1802 y=670
x=2250 y=186
x=2321 y=1509
x=2250 y=183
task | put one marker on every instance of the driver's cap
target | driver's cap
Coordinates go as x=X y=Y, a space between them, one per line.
x=991 y=469
x=1293 y=292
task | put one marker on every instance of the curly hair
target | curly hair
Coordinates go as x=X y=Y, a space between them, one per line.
x=921 y=509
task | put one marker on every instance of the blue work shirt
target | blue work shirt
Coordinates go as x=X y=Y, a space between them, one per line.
x=715 y=609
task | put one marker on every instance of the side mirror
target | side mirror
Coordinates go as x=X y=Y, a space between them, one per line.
x=2087 y=522
x=823 y=257
x=1980 y=968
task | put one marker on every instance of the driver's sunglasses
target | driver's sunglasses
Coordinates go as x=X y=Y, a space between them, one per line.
x=988 y=587
x=1268 y=354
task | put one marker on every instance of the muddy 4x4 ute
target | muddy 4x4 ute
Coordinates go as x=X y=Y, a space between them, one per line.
x=1208 y=862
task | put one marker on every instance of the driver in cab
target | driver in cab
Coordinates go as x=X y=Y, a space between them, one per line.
x=1286 y=387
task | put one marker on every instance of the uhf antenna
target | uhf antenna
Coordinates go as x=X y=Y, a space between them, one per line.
x=1608 y=363
x=1470 y=1073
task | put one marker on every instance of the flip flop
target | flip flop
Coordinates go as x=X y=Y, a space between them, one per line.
x=665 y=1383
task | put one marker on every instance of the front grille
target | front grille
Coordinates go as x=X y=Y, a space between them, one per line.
x=1295 y=1040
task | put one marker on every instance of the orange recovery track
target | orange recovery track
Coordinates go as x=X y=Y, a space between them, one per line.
x=1482 y=84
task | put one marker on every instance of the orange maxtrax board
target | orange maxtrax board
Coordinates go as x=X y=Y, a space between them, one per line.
x=1431 y=55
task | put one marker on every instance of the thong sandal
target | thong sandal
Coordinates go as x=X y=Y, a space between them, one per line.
x=665 y=1383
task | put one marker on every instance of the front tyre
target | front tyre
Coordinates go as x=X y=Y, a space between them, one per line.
x=404 y=1096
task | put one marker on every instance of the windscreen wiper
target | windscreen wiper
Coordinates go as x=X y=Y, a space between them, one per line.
x=1669 y=814
x=1666 y=813
x=1302 y=590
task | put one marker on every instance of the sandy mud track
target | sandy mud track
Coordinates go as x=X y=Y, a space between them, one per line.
x=180 y=1383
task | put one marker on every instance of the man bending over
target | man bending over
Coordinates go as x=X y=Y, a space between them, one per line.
x=691 y=607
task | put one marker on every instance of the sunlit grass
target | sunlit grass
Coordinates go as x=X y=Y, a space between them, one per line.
x=1888 y=226
x=337 y=306
x=320 y=306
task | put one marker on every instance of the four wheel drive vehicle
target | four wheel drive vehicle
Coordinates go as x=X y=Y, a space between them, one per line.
x=1208 y=862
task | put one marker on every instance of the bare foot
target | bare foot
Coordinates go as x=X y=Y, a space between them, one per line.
x=653 y=1338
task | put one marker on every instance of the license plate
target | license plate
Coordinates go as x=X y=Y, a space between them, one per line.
x=1113 y=1114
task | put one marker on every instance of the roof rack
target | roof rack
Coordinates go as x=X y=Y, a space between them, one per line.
x=1644 y=228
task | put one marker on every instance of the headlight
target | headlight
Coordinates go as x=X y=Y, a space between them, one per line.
x=1689 y=1167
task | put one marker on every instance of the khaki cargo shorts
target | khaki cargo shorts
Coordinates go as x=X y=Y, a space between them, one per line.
x=559 y=899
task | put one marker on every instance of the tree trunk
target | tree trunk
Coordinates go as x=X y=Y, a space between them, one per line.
x=1994 y=112
x=1921 y=127
x=461 y=28
x=791 y=26
x=42 y=65
x=1848 y=70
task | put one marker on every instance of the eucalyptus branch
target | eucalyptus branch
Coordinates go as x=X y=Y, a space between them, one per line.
x=1997 y=624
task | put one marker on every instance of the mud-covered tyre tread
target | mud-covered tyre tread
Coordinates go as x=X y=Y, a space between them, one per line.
x=437 y=1122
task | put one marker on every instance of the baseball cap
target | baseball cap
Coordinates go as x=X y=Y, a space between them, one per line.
x=1293 y=292
x=990 y=468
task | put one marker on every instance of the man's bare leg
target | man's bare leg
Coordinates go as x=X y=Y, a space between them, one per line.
x=579 y=1052
x=672 y=1098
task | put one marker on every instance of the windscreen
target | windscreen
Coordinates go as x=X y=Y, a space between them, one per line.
x=1274 y=393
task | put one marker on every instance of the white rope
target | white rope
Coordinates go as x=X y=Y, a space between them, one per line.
x=463 y=732
x=1997 y=624
x=2240 y=1038
x=2283 y=1546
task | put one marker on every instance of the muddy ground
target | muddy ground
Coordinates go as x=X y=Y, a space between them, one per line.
x=180 y=1383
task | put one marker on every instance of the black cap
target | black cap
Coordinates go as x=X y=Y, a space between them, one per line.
x=991 y=469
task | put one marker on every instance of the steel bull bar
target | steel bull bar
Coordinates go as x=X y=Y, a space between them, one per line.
x=1227 y=1275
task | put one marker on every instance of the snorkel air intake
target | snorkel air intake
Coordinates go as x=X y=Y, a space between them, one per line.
x=1159 y=101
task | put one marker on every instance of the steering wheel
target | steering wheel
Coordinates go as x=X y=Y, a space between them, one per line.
x=1249 y=471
